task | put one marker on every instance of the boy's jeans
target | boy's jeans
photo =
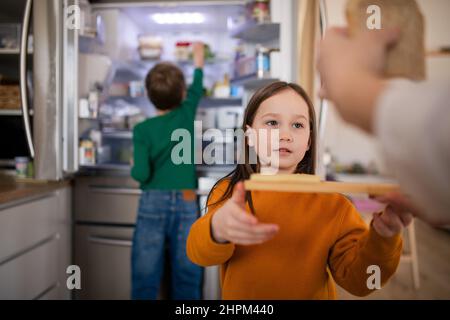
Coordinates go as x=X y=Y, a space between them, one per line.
x=164 y=217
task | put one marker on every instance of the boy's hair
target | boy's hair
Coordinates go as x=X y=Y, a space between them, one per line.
x=165 y=86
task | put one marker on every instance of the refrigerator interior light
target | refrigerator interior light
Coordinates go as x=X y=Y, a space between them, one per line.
x=179 y=18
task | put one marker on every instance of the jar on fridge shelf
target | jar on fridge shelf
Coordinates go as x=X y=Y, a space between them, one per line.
x=222 y=89
x=87 y=152
x=94 y=100
x=83 y=108
x=136 y=89
x=182 y=50
x=262 y=62
x=259 y=11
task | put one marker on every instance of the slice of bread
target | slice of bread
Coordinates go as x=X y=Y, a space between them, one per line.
x=406 y=59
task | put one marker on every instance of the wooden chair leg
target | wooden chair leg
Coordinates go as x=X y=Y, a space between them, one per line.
x=413 y=255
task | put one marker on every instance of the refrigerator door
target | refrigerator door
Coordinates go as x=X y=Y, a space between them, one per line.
x=56 y=92
x=47 y=27
x=70 y=88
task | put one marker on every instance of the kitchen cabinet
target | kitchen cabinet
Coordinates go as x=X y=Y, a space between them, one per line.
x=105 y=214
x=35 y=234
x=106 y=199
x=104 y=256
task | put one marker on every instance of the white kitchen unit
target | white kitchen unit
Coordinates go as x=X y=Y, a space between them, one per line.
x=35 y=234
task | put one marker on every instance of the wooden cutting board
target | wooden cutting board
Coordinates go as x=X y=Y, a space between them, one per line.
x=312 y=183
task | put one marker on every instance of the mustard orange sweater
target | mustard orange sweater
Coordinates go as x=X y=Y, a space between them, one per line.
x=321 y=237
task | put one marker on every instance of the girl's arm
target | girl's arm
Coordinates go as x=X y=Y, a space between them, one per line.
x=201 y=248
x=359 y=252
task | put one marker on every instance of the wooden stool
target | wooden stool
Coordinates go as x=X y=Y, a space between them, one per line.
x=411 y=256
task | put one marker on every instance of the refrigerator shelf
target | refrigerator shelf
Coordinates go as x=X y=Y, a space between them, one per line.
x=89 y=118
x=211 y=61
x=257 y=32
x=12 y=51
x=252 y=81
x=211 y=102
x=13 y=112
x=118 y=134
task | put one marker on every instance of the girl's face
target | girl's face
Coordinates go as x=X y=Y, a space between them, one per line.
x=281 y=133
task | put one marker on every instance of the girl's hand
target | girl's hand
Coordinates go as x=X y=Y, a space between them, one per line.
x=392 y=221
x=231 y=223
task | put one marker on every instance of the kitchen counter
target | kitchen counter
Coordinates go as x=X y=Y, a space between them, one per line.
x=18 y=191
x=124 y=170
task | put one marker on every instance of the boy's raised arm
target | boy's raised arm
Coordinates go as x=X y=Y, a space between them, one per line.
x=195 y=90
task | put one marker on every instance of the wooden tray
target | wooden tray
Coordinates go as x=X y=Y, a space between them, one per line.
x=311 y=183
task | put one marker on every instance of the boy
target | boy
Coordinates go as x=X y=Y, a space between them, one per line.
x=167 y=207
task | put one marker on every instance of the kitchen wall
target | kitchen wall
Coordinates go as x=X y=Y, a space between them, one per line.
x=349 y=144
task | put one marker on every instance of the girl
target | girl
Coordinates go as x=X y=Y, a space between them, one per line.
x=280 y=245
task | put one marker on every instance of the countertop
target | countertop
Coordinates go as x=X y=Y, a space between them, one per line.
x=19 y=190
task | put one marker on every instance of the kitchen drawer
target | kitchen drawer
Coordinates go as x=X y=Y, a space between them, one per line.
x=25 y=224
x=52 y=293
x=32 y=274
x=104 y=257
x=112 y=200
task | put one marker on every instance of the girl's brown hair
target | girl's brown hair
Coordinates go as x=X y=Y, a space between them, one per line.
x=243 y=171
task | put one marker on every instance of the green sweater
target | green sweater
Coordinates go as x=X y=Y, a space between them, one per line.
x=153 y=166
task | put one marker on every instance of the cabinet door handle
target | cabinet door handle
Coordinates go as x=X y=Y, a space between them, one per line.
x=127 y=191
x=110 y=241
x=23 y=75
x=42 y=242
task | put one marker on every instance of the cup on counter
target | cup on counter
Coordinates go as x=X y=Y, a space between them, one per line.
x=22 y=164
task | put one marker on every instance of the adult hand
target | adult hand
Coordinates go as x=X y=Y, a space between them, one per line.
x=392 y=221
x=401 y=202
x=351 y=70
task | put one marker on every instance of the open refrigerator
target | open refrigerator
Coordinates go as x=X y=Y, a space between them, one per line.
x=247 y=49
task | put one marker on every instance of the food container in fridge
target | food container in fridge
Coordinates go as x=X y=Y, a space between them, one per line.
x=229 y=117
x=207 y=117
x=9 y=35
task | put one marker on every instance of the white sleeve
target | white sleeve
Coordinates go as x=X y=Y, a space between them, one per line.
x=412 y=122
